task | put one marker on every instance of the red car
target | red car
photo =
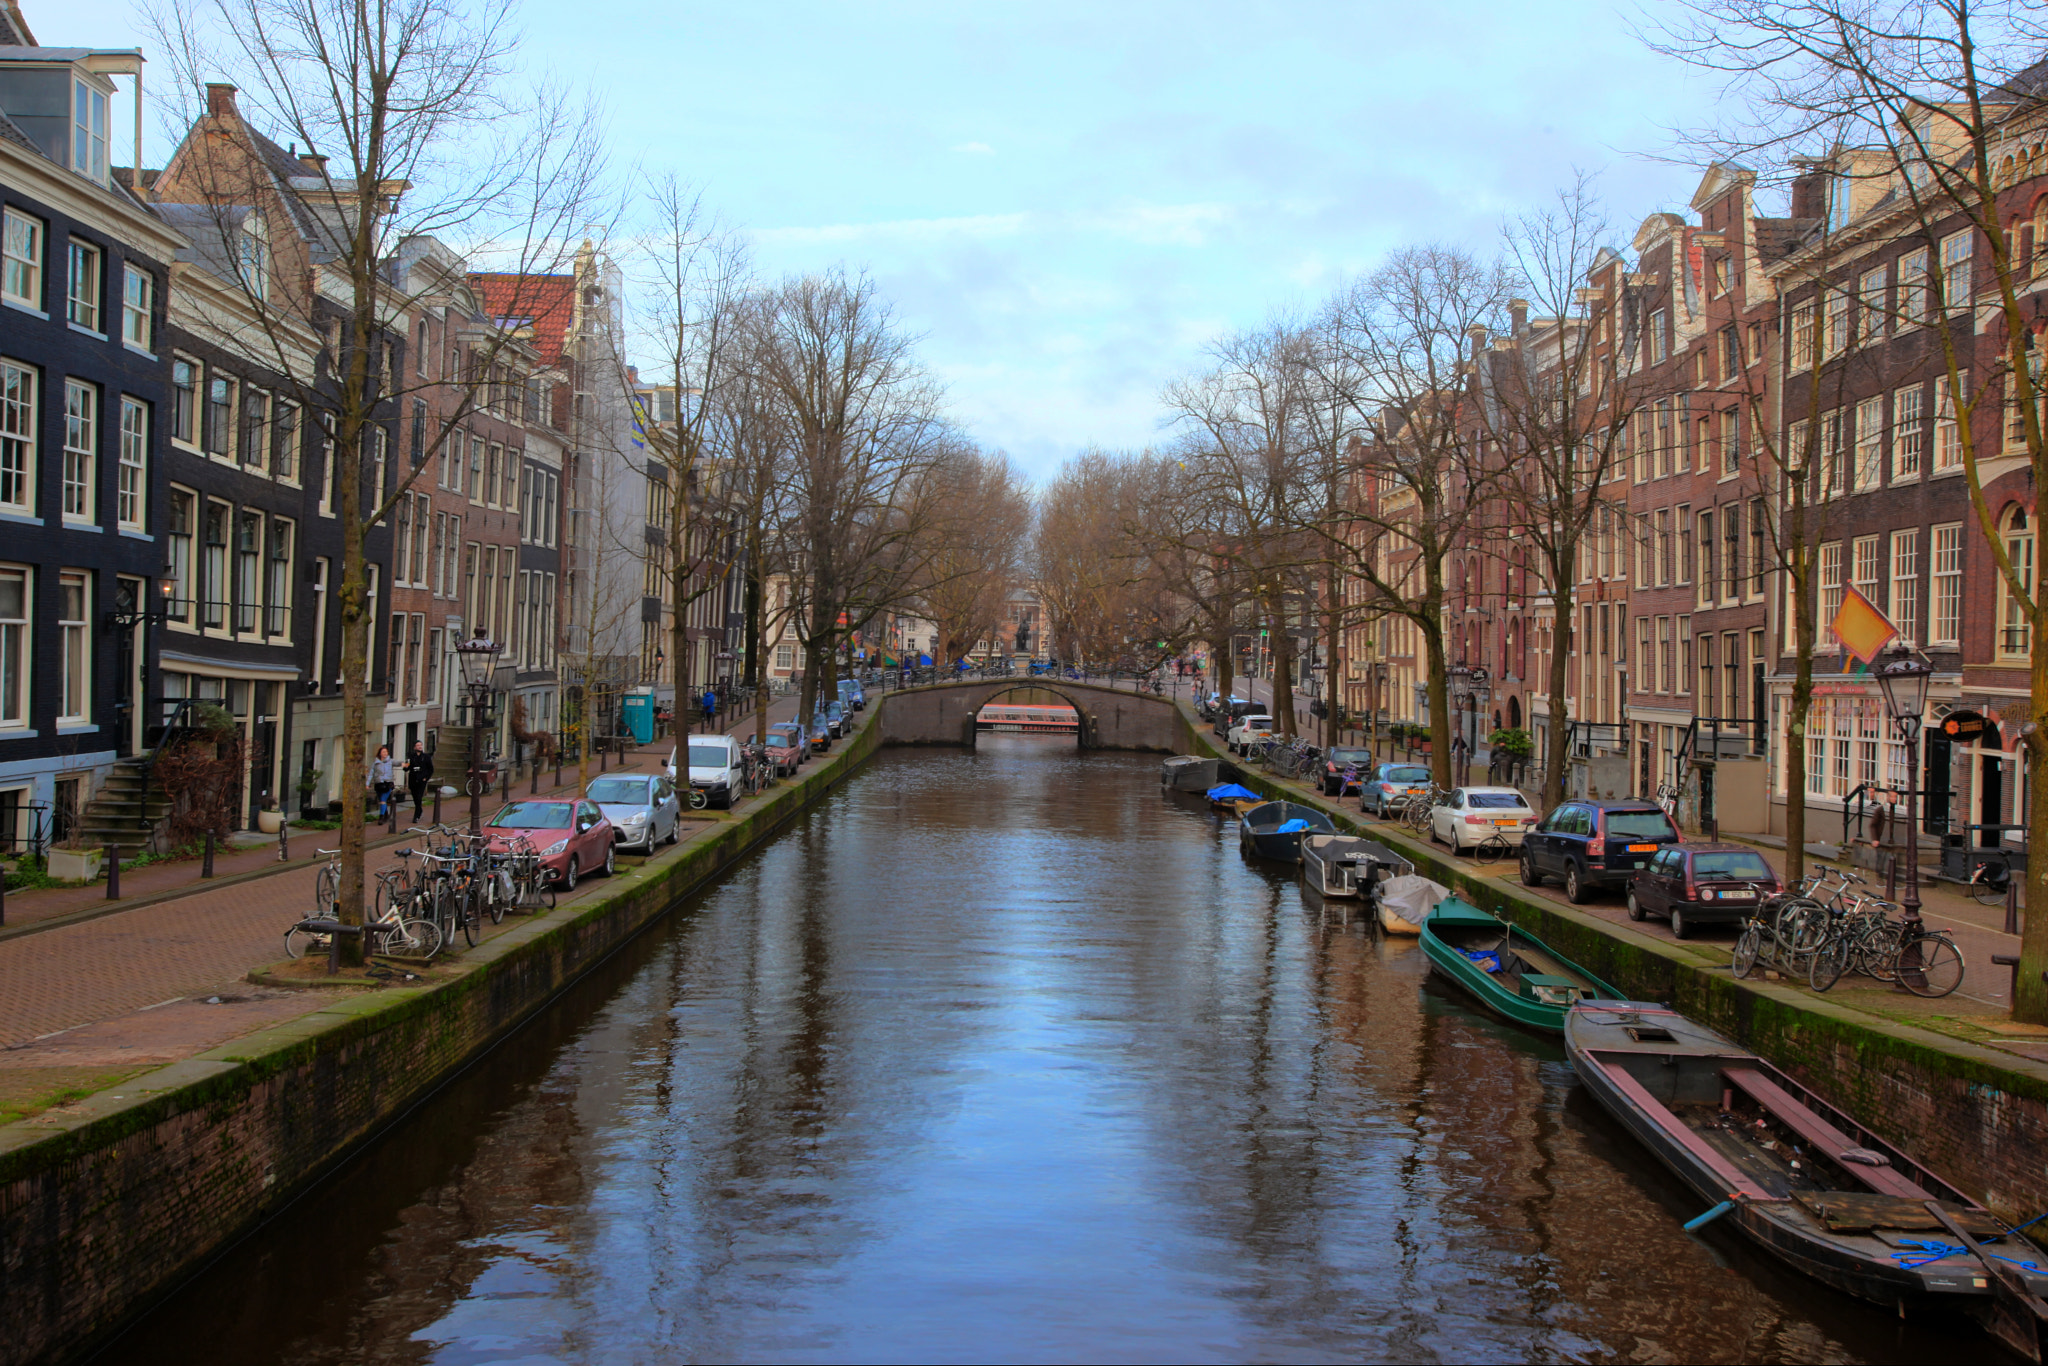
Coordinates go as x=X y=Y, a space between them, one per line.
x=786 y=747
x=573 y=836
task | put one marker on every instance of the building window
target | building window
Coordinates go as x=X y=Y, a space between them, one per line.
x=278 y=597
x=178 y=534
x=1909 y=431
x=131 y=498
x=220 y=416
x=1956 y=285
x=1866 y=566
x=14 y=657
x=1802 y=335
x=248 y=562
x=1913 y=288
x=2015 y=638
x=21 y=259
x=1870 y=306
x=1709 y=572
x=82 y=289
x=287 y=459
x=492 y=456
x=17 y=436
x=75 y=649
x=1830 y=595
x=1830 y=483
x=213 y=568
x=1835 y=324
x=256 y=430
x=1905 y=603
x=89 y=132
x=81 y=440
x=1731 y=553
x=1948 y=433
x=252 y=257
x=1945 y=627
x=513 y=464
x=1653 y=338
x=1869 y=443
x=138 y=308
x=476 y=469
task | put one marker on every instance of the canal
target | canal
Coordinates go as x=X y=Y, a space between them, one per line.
x=1008 y=1055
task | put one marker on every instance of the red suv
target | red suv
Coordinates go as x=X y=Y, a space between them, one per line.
x=1594 y=844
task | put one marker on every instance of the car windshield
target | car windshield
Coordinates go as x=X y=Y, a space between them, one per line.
x=1408 y=773
x=786 y=735
x=533 y=816
x=1510 y=801
x=616 y=790
x=1350 y=756
x=1639 y=825
x=1723 y=867
x=709 y=756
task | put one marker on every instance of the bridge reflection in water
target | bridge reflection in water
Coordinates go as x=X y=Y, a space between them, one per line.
x=1005 y=1053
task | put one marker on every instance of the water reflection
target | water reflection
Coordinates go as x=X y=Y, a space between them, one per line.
x=1007 y=1055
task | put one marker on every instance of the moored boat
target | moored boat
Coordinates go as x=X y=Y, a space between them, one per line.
x=1347 y=866
x=1275 y=830
x=1190 y=773
x=1801 y=1179
x=1404 y=902
x=1511 y=972
x=1233 y=797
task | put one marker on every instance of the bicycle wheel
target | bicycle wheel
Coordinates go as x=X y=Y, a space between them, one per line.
x=1828 y=963
x=326 y=891
x=297 y=942
x=1747 y=946
x=1988 y=893
x=1877 y=951
x=1492 y=850
x=473 y=914
x=1939 y=966
x=413 y=937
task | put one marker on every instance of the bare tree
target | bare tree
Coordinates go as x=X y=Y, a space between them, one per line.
x=981 y=521
x=414 y=125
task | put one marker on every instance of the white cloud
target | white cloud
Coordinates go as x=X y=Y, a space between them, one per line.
x=979 y=149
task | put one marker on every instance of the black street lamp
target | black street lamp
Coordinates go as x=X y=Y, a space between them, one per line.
x=1904 y=680
x=479 y=658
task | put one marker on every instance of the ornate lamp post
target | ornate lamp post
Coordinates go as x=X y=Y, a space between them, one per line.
x=479 y=658
x=1904 y=680
x=1461 y=700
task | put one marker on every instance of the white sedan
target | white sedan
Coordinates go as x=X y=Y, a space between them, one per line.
x=1472 y=814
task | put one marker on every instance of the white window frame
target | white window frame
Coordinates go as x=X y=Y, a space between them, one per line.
x=80 y=484
x=1958 y=258
x=1830 y=578
x=17 y=658
x=74 y=648
x=277 y=592
x=89 y=131
x=1904 y=606
x=19 y=419
x=1870 y=429
x=1913 y=289
x=85 y=275
x=1945 y=586
x=1948 y=431
x=22 y=239
x=1909 y=432
x=138 y=314
x=181 y=549
x=131 y=496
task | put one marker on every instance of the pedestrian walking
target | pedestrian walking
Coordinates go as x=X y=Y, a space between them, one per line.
x=710 y=709
x=380 y=781
x=419 y=771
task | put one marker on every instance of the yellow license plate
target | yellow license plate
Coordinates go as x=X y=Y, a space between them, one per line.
x=1510 y=822
x=1642 y=848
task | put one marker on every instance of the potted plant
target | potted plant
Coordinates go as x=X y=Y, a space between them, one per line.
x=269 y=819
x=309 y=783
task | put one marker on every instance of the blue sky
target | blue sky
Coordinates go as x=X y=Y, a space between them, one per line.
x=1066 y=200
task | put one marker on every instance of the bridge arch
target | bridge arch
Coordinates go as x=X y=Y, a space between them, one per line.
x=1110 y=718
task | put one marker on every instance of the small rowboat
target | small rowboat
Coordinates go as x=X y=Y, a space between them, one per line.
x=1234 y=798
x=1275 y=830
x=1347 y=866
x=1512 y=972
x=1189 y=773
x=1799 y=1178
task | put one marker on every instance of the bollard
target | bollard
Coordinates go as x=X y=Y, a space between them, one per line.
x=393 y=806
x=534 y=791
x=1891 y=877
x=600 y=758
x=2010 y=960
x=2012 y=905
x=113 y=872
x=505 y=785
x=3 y=898
x=558 y=768
x=206 y=859
x=437 y=803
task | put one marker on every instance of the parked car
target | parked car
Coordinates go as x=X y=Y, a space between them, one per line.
x=1702 y=884
x=1391 y=788
x=821 y=732
x=642 y=807
x=787 y=749
x=851 y=695
x=1227 y=713
x=573 y=836
x=1470 y=814
x=1594 y=844
x=1250 y=728
x=1337 y=760
x=835 y=719
x=715 y=767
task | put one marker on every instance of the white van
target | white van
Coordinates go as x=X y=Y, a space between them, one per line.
x=714 y=767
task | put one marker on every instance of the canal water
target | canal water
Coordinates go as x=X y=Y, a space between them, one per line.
x=1009 y=1056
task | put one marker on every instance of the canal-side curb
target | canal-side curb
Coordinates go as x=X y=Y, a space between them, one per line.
x=1977 y=1115
x=106 y=1205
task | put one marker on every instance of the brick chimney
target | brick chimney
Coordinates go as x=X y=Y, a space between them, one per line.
x=1518 y=316
x=313 y=163
x=1810 y=195
x=220 y=100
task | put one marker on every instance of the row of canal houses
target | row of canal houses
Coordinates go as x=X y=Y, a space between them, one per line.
x=168 y=515
x=1751 y=339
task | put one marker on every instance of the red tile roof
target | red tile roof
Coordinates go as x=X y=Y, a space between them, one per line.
x=548 y=301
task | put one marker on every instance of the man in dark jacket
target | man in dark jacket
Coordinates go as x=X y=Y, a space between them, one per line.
x=419 y=771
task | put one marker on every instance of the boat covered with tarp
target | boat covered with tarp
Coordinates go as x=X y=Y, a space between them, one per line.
x=1348 y=866
x=1803 y=1180
x=1511 y=972
x=1275 y=830
x=1234 y=796
x=1190 y=773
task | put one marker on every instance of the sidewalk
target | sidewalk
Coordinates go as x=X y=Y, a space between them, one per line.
x=93 y=991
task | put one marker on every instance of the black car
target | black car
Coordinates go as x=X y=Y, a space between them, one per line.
x=1227 y=714
x=1592 y=844
x=1702 y=884
x=1337 y=761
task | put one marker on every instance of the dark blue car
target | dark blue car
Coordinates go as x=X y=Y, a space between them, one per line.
x=1588 y=844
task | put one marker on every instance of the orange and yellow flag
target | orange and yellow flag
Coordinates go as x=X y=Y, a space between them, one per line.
x=1862 y=629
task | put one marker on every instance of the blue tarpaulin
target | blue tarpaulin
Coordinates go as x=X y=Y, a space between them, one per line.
x=1231 y=792
x=1292 y=827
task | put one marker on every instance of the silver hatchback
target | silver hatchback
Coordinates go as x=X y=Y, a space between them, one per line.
x=642 y=807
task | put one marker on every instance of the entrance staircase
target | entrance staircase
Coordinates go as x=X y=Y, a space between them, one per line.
x=120 y=815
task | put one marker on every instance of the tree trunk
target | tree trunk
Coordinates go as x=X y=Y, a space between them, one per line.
x=1283 y=658
x=1557 y=739
x=1439 y=686
x=355 y=721
x=2030 y=997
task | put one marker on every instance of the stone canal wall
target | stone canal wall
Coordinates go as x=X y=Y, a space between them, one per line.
x=106 y=1208
x=1978 y=1116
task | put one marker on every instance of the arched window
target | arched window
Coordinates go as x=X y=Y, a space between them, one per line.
x=2015 y=636
x=252 y=256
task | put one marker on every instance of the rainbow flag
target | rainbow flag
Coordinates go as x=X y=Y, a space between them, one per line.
x=1862 y=629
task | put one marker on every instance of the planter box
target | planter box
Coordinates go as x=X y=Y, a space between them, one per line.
x=76 y=865
x=270 y=822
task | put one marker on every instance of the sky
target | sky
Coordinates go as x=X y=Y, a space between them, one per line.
x=1068 y=201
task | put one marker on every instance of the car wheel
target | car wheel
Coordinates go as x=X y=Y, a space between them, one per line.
x=1635 y=907
x=1530 y=877
x=611 y=858
x=675 y=827
x=1575 y=890
x=1679 y=929
x=569 y=875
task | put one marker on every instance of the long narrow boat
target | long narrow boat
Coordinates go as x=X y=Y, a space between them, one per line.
x=1512 y=972
x=1275 y=830
x=1801 y=1179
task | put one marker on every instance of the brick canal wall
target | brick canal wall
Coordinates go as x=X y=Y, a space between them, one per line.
x=107 y=1209
x=1978 y=1116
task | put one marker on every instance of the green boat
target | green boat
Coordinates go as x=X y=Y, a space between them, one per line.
x=1512 y=972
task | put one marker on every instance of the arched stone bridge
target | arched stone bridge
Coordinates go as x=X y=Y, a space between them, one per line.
x=1111 y=718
